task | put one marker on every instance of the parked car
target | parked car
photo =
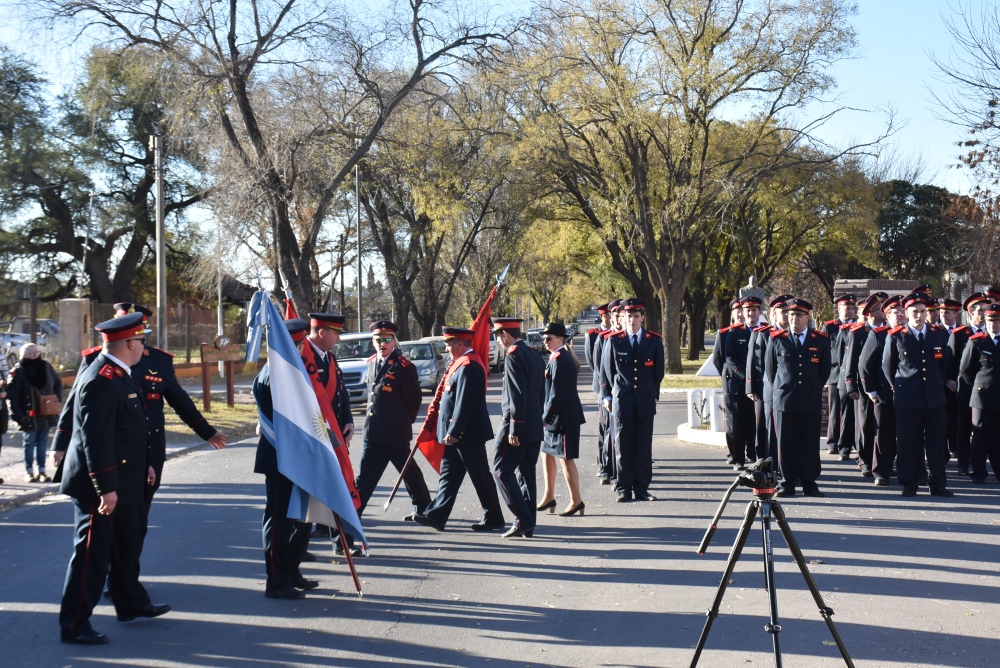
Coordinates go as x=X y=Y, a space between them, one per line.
x=497 y=353
x=352 y=354
x=15 y=333
x=429 y=361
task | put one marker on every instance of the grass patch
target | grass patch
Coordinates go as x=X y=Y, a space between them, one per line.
x=237 y=422
x=687 y=380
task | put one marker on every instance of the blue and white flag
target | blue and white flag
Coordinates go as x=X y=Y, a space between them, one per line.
x=300 y=436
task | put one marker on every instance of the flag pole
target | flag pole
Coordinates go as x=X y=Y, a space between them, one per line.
x=416 y=445
x=347 y=554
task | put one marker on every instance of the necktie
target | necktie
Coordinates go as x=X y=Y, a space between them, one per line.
x=920 y=338
x=996 y=340
x=635 y=341
x=798 y=342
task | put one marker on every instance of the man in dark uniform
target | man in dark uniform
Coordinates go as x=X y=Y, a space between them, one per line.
x=980 y=367
x=718 y=358
x=740 y=423
x=463 y=427
x=591 y=351
x=840 y=416
x=394 y=399
x=917 y=363
x=285 y=539
x=107 y=472
x=758 y=388
x=850 y=377
x=519 y=438
x=608 y=472
x=949 y=310
x=797 y=362
x=633 y=362
x=976 y=316
x=878 y=391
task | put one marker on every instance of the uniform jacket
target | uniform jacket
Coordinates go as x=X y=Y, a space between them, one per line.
x=266 y=461
x=109 y=449
x=23 y=408
x=957 y=341
x=634 y=375
x=833 y=328
x=341 y=399
x=917 y=373
x=798 y=374
x=393 y=400
x=980 y=369
x=870 y=365
x=588 y=350
x=522 y=394
x=850 y=364
x=562 y=401
x=462 y=413
x=757 y=382
x=155 y=375
x=736 y=350
x=603 y=382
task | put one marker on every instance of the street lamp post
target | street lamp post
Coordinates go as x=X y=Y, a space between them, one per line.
x=156 y=144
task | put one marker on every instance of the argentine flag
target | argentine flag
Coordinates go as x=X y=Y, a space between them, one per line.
x=299 y=433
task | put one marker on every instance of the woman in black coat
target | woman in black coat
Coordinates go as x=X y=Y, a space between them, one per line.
x=563 y=415
x=32 y=376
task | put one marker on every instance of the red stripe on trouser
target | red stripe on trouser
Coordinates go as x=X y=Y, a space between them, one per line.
x=83 y=580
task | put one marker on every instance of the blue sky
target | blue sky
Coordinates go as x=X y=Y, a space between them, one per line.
x=892 y=69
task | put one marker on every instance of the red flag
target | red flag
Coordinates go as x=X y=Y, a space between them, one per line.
x=323 y=397
x=290 y=312
x=427 y=438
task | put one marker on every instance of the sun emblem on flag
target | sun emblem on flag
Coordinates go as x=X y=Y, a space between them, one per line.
x=319 y=426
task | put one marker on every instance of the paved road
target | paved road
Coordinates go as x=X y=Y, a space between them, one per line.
x=913 y=582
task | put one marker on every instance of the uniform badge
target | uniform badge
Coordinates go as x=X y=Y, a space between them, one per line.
x=153 y=379
x=387 y=388
x=133 y=395
x=648 y=363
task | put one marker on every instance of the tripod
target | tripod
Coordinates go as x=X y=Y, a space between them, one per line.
x=763 y=482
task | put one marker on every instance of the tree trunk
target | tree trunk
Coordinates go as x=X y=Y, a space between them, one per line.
x=673 y=302
x=696 y=343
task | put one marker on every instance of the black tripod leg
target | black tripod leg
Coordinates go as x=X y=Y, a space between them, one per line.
x=734 y=556
x=825 y=612
x=773 y=627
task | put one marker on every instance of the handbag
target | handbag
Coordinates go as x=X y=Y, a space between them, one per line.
x=48 y=404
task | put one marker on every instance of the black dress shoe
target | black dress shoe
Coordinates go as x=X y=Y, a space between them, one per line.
x=408 y=518
x=623 y=497
x=151 y=610
x=90 y=637
x=942 y=492
x=425 y=521
x=729 y=459
x=977 y=479
x=284 y=592
x=644 y=496
x=303 y=583
x=517 y=531
x=549 y=506
x=605 y=480
x=881 y=482
x=814 y=492
x=785 y=492
x=921 y=481
x=356 y=550
x=909 y=491
x=308 y=557
x=483 y=526
x=845 y=458
x=963 y=470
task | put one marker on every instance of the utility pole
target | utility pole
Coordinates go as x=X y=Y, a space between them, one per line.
x=357 y=208
x=156 y=145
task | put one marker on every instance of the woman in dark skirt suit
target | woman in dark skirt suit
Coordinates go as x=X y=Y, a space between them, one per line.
x=563 y=415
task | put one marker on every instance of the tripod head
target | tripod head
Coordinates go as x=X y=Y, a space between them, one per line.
x=760 y=477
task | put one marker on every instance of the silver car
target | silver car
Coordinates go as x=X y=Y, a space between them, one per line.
x=352 y=354
x=428 y=360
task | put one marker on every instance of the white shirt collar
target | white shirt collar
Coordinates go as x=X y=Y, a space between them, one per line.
x=917 y=332
x=316 y=349
x=118 y=362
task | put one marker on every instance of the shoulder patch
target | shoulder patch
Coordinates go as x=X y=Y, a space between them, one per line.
x=370 y=358
x=961 y=328
x=108 y=371
x=819 y=332
x=405 y=361
x=858 y=325
x=846 y=325
x=738 y=325
x=608 y=333
x=556 y=354
x=831 y=322
x=762 y=328
x=621 y=334
x=465 y=361
x=978 y=335
x=779 y=332
x=897 y=330
x=651 y=333
x=163 y=351
x=90 y=351
x=512 y=349
x=593 y=330
x=724 y=330
x=881 y=329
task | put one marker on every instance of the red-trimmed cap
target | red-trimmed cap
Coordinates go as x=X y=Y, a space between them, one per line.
x=603 y=308
x=781 y=301
x=384 y=327
x=949 y=304
x=992 y=310
x=634 y=304
x=124 y=308
x=872 y=303
x=992 y=292
x=328 y=321
x=450 y=333
x=506 y=323
x=922 y=289
x=734 y=304
x=846 y=299
x=973 y=299
x=892 y=302
x=128 y=326
x=917 y=298
x=750 y=300
x=796 y=304
x=615 y=306
x=298 y=328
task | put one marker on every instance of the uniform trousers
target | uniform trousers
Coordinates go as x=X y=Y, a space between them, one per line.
x=740 y=423
x=104 y=547
x=458 y=459
x=963 y=426
x=866 y=433
x=606 y=453
x=634 y=450
x=885 y=440
x=920 y=434
x=772 y=431
x=951 y=436
x=848 y=423
x=832 y=418
x=375 y=458
x=514 y=469
x=798 y=448
x=285 y=539
x=761 y=429
x=985 y=442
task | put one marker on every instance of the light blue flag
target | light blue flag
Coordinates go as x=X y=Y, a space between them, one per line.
x=300 y=437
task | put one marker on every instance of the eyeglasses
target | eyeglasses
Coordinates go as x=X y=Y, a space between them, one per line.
x=548 y=338
x=383 y=339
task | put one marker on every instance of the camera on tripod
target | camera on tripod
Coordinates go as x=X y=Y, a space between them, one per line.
x=760 y=476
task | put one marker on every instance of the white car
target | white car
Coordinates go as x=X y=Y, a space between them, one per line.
x=352 y=354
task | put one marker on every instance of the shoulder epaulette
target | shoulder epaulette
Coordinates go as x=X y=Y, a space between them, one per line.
x=608 y=333
x=858 y=325
x=897 y=330
x=162 y=351
x=556 y=354
x=846 y=325
x=621 y=334
x=108 y=371
x=650 y=333
x=761 y=328
x=819 y=332
x=738 y=325
x=936 y=327
x=978 y=335
x=881 y=328
x=465 y=361
x=373 y=356
x=405 y=361
x=778 y=332
x=960 y=328
x=831 y=322
x=724 y=330
x=593 y=330
x=90 y=351
x=512 y=349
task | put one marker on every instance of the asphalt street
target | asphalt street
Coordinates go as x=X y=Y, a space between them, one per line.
x=913 y=582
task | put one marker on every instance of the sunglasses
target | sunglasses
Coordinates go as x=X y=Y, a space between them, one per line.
x=383 y=339
x=549 y=338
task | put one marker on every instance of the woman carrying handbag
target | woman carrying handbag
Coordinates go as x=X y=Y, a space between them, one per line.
x=34 y=391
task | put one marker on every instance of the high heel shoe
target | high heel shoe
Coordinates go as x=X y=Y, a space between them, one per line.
x=550 y=506
x=578 y=508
